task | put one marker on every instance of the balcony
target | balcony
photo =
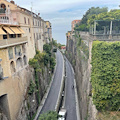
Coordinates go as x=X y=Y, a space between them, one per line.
x=5 y=21
x=12 y=42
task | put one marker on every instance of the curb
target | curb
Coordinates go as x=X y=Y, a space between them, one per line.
x=76 y=94
x=46 y=95
x=65 y=83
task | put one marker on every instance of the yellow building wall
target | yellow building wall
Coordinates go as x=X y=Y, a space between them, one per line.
x=5 y=62
x=30 y=35
x=11 y=6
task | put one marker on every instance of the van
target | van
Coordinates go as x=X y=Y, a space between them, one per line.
x=62 y=114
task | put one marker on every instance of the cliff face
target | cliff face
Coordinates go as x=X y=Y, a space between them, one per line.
x=79 y=54
x=33 y=95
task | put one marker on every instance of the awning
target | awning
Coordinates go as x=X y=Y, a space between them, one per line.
x=8 y=30
x=2 y=32
x=22 y=31
x=16 y=30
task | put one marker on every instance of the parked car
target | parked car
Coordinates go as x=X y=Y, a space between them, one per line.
x=55 y=50
x=62 y=114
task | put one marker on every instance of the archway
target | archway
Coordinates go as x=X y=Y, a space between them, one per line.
x=19 y=63
x=25 y=60
x=12 y=67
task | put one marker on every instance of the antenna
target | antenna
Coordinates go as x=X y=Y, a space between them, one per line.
x=31 y=6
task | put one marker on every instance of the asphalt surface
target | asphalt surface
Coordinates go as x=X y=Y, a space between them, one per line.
x=51 y=100
x=70 y=104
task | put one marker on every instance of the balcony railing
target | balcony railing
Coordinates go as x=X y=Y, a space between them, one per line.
x=12 y=41
x=4 y=21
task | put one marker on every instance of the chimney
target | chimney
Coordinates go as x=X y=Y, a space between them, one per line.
x=38 y=13
x=13 y=2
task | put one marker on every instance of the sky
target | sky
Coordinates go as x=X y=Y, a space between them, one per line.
x=62 y=12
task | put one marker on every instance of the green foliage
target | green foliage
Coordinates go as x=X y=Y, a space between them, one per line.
x=52 y=63
x=91 y=13
x=31 y=87
x=105 y=77
x=98 y=14
x=54 y=42
x=47 y=48
x=79 y=41
x=81 y=46
x=51 y=115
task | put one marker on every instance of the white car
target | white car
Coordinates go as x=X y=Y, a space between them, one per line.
x=62 y=114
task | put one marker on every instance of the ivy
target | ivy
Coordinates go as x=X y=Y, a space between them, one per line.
x=105 y=76
x=31 y=87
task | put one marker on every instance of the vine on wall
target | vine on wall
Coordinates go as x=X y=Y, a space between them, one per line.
x=105 y=76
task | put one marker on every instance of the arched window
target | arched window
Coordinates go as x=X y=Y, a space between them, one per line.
x=12 y=67
x=25 y=60
x=19 y=63
x=2 y=8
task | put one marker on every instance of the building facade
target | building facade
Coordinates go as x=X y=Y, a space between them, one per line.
x=73 y=24
x=21 y=33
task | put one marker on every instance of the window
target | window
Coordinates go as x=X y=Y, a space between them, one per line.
x=39 y=36
x=1 y=72
x=18 y=51
x=19 y=35
x=25 y=60
x=25 y=20
x=28 y=21
x=10 y=53
x=19 y=63
x=24 y=48
x=12 y=36
x=33 y=21
x=12 y=67
x=4 y=36
x=29 y=30
x=34 y=36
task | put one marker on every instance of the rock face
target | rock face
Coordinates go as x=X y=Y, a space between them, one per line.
x=80 y=56
x=32 y=100
x=25 y=94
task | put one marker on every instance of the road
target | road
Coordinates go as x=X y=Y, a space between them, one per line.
x=51 y=100
x=70 y=104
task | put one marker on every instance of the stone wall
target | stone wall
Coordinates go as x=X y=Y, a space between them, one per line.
x=82 y=67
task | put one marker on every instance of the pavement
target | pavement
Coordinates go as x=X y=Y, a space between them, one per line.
x=52 y=97
x=70 y=100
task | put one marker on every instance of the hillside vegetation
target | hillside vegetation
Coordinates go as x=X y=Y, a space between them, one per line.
x=97 y=14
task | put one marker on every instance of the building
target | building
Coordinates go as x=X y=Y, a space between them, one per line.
x=63 y=49
x=21 y=33
x=73 y=24
x=48 y=31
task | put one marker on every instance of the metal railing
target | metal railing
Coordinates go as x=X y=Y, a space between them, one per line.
x=12 y=41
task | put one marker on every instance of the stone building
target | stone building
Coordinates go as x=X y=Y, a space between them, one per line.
x=73 y=24
x=21 y=32
x=48 y=31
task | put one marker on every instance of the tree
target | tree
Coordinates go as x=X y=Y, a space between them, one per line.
x=51 y=115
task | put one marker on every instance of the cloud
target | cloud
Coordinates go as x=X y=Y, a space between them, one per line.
x=61 y=12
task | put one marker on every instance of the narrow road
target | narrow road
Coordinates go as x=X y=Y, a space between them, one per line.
x=70 y=104
x=55 y=87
